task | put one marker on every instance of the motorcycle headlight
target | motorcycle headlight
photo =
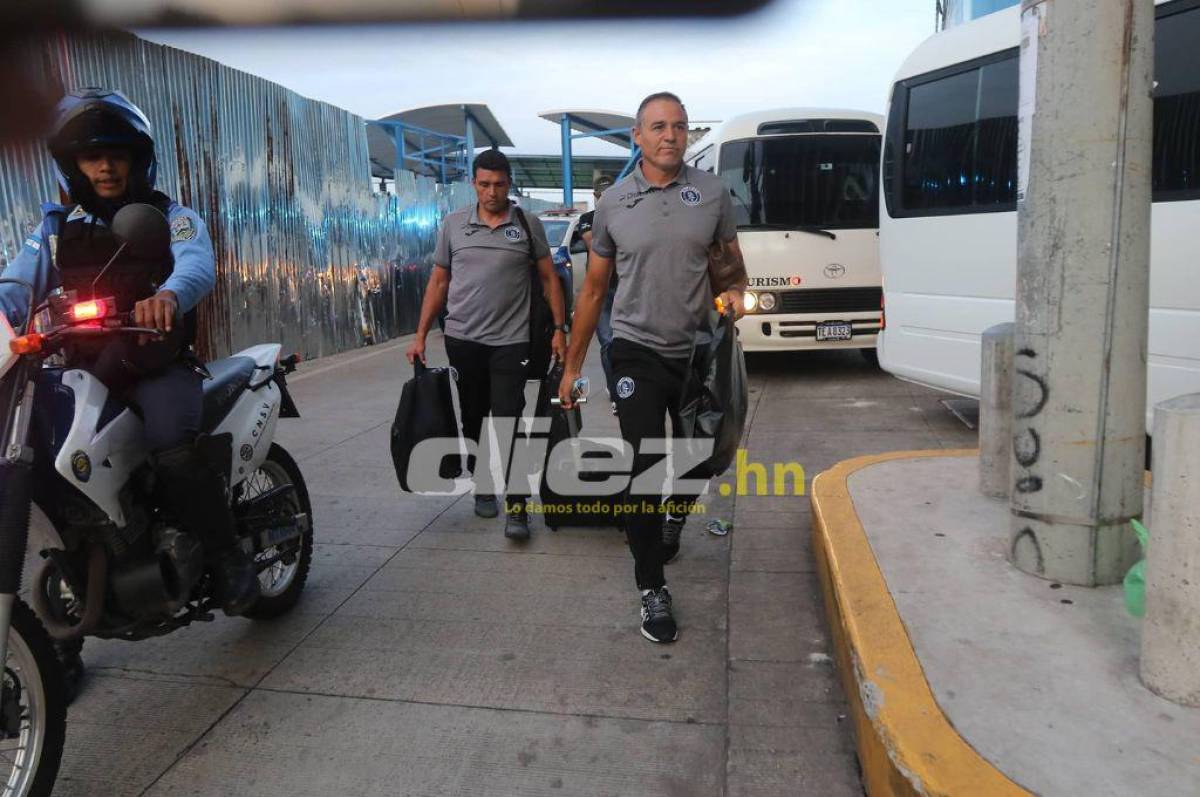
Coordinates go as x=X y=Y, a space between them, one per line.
x=766 y=302
x=750 y=300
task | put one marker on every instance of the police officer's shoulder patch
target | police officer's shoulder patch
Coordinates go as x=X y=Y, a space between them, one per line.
x=513 y=234
x=690 y=195
x=33 y=243
x=182 y=228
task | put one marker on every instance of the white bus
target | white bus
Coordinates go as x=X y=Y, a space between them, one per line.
x=805 y=187
x=948 y=231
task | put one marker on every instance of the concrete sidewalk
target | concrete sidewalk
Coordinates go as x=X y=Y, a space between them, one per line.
x=429 y=656
x=967 y=675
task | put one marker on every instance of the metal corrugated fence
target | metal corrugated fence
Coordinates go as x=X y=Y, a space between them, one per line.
x=307 y=254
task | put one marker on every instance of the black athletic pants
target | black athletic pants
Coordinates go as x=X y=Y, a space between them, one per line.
x=490 y=379
x=651 y=393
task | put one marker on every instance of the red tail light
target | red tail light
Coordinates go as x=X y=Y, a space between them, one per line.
x=89 y=311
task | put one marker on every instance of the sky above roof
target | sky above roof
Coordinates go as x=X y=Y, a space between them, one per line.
x=840 y=53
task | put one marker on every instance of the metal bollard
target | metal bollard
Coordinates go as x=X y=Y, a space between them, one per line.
x=995 y=411
x=1171 y=629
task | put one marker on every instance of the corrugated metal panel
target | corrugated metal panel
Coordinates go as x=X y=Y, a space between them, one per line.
x=307 y=254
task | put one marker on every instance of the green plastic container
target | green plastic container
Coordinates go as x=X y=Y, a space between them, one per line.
x=1135 y=579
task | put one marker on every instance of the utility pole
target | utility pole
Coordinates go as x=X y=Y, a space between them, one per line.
x=1083 y=210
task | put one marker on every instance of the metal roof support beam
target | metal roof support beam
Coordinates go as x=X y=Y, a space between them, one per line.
x=635 y=153
x=568 y=177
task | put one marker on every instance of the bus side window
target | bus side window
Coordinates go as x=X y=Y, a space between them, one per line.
x=960 y=141
x=705 y=160
x=1175 y=173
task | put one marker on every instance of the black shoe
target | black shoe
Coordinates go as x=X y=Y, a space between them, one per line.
x=486 y=506
x=516 y=526
x=237 y=582
x=672 y=531
x=658 y=624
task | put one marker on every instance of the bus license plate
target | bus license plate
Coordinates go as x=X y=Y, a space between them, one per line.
x=833 y=330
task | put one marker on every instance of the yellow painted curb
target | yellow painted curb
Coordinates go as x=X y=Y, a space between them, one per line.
x=906 y=745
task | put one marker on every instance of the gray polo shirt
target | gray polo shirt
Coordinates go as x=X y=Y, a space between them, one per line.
x=488 y=300
x=659 y=238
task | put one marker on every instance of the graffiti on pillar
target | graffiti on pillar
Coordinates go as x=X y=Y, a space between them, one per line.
x=1028 y=539
x=1029 y=399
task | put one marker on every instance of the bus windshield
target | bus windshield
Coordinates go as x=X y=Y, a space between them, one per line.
x=807 y=181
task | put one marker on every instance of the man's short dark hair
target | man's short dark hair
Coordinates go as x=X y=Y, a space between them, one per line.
x=658 y=95
x=493 y=160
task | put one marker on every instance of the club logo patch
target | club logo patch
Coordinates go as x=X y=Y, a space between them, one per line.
x=33 y=243
x=182 y=228
x=690 y=195
x=81 y=466
x=513 y=234
x=625 y=387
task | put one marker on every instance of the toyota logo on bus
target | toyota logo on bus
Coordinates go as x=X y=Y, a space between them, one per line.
x=835 y=270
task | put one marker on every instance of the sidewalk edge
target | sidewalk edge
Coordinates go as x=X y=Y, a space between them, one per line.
x=906 y=745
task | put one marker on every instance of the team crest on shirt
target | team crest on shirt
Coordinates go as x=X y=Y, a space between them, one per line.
x=182 y=228
x=512 y=234
x=690 y=195
x=625 y=387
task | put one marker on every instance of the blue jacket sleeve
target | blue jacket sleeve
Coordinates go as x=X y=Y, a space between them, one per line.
x=32 y=264
x=195 y=271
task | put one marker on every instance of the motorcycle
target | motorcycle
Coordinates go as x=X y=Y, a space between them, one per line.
x=117 y=564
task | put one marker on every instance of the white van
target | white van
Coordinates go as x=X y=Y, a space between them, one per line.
x=805 y=188
x=948 y=235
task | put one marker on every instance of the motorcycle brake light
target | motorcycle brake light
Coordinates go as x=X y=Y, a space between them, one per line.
x=26 y=344
x=87 y=311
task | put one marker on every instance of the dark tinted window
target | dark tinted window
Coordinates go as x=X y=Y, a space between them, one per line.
x=704 y=161
x=957 y=150
x=817 y=126
x=1176 y=172
x=821 y=181
x=959 y=146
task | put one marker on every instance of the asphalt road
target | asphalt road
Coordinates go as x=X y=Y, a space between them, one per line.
x=430 y=656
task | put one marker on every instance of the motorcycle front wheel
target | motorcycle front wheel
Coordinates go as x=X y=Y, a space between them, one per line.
x=281 y=582
x=33 y=709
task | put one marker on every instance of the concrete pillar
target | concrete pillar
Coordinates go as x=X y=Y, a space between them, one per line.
x=1083 y=224
x=1171 y=629
x=995 y=411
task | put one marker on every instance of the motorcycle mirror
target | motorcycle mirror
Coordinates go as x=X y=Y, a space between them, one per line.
x=143 y=229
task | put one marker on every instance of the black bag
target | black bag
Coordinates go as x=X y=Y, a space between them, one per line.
x=426 y=411
x=560 y=510
x=714 y=401
x=541 y=317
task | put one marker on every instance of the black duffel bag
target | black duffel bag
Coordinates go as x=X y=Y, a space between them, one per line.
x=715 y=398
x=427 y=410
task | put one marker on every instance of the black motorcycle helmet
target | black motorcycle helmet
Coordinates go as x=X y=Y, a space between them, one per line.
x=90 y=118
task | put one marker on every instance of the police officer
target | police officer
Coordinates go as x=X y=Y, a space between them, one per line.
x=604 y=327
x=104 y=153
x=657 y=227
x=481 y=272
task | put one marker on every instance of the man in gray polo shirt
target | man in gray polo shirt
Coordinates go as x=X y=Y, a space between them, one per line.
x=481 y=273
x=657 y=228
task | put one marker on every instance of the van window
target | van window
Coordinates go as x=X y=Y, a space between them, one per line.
x=809 y=180
x=1176 y=170
x=960 y=140
x=952 y=135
